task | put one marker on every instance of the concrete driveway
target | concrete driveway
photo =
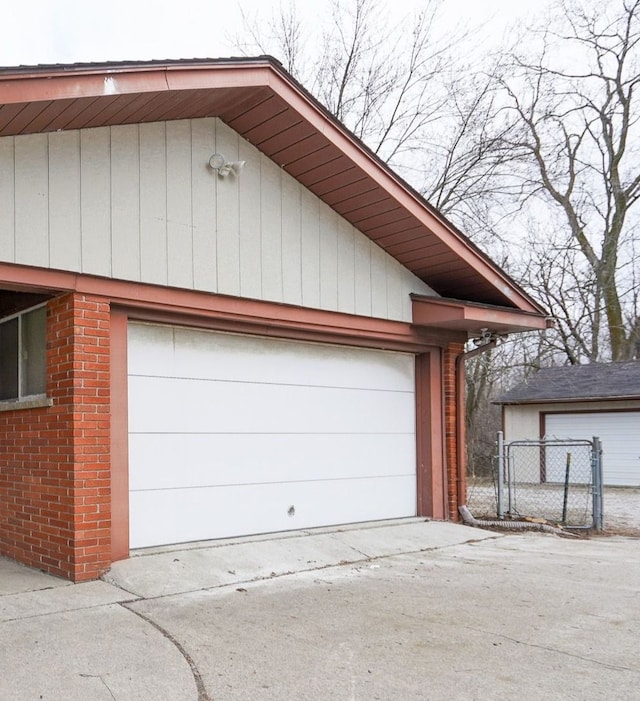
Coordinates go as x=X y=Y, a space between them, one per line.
x=405 y=610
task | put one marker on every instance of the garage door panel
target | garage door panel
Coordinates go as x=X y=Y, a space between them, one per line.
x=168 y=516
x=619 y=433
x=183 y=406
x=151 y=349
x=227 y=432
x=187 y=460
x=186 y=353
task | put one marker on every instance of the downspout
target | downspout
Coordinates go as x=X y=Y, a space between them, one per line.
x=485 y=342
x=469 y=520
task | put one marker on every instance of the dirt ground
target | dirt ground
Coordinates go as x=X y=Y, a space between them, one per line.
x=622 y=510
x=621 y=506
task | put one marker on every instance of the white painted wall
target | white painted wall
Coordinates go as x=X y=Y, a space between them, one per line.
x=522 y=422
x=139 y=203
x=621 y=456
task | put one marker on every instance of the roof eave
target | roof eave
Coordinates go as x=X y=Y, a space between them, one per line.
x=455 y=256
x=567 y=400
x=474 y=318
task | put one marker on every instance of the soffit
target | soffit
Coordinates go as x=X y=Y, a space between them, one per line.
x=269 y=109
x=474 y=318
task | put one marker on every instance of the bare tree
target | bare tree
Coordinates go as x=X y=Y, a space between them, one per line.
x=492 y=150
x=405 y=91
x=375 y=77
x=573 y=116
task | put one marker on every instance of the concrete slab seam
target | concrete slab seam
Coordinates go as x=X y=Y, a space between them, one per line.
x=31 y=591
x=68 y=610
x=360 y=552
x=553 y=649
x=197 y=677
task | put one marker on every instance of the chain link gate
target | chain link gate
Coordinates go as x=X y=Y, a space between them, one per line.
x=559 y=481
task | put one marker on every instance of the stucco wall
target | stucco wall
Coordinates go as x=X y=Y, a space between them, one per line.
x=139 y=203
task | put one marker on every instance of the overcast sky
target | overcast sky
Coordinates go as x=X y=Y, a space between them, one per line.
x=67 y=31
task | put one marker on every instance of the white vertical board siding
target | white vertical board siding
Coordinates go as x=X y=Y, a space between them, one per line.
x=203 y=194
x=228 y=214
x=65 y=250
x=328 y=259
x=179 y=212
x=125 y=203
x=153 y=204
x=291 y=241
x=7 y=199
x=619 y=433
x=249 y=225
x=310 y=249
x=346 y=267
x=95 y=201
x=140 y=203
x=271 y=228
x=232 y=435
x=362 y=272
x=31 y=212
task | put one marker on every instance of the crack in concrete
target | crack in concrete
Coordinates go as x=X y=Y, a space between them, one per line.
x=112 y=583
x=197 y=677
x=263 y=578
x=591 y=660
x=101 y=678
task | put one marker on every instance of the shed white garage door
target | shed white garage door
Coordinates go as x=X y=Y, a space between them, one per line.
x=234 y=435
x=619 y=433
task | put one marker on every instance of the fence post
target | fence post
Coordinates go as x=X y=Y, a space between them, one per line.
x=500 y=474
x=596 y=463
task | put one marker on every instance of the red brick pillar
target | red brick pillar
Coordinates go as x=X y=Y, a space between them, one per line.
x=55 y=486
x=451 y=418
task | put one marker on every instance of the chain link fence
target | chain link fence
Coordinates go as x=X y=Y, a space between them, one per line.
x=556 y=481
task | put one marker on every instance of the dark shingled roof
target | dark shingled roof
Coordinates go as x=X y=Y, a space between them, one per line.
x=578 y=382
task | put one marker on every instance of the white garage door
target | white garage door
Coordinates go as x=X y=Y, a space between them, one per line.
x=233 y=435
x=619 y=433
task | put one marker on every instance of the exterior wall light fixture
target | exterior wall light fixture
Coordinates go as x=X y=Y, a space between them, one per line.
x=223 y=167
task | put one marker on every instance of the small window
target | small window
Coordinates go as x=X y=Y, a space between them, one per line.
x=23 y=354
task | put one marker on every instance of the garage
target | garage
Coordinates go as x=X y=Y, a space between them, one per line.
x=619 y=433
x=580 y=402
x=234 y=435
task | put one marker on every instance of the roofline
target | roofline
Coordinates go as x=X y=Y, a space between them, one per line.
x=51 y=82
x=569 y=400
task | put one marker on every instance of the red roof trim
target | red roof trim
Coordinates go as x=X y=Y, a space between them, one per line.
x=247 y=94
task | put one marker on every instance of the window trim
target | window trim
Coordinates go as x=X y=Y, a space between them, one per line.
x=26 y=401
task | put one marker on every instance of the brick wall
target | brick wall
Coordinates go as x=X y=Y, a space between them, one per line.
x=55 y=489
x=450 y=421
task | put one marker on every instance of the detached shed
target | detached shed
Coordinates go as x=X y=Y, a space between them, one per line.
x=582 y=401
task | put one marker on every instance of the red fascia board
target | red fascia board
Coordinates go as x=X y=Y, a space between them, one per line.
x=436 y=312
x=56 y=85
